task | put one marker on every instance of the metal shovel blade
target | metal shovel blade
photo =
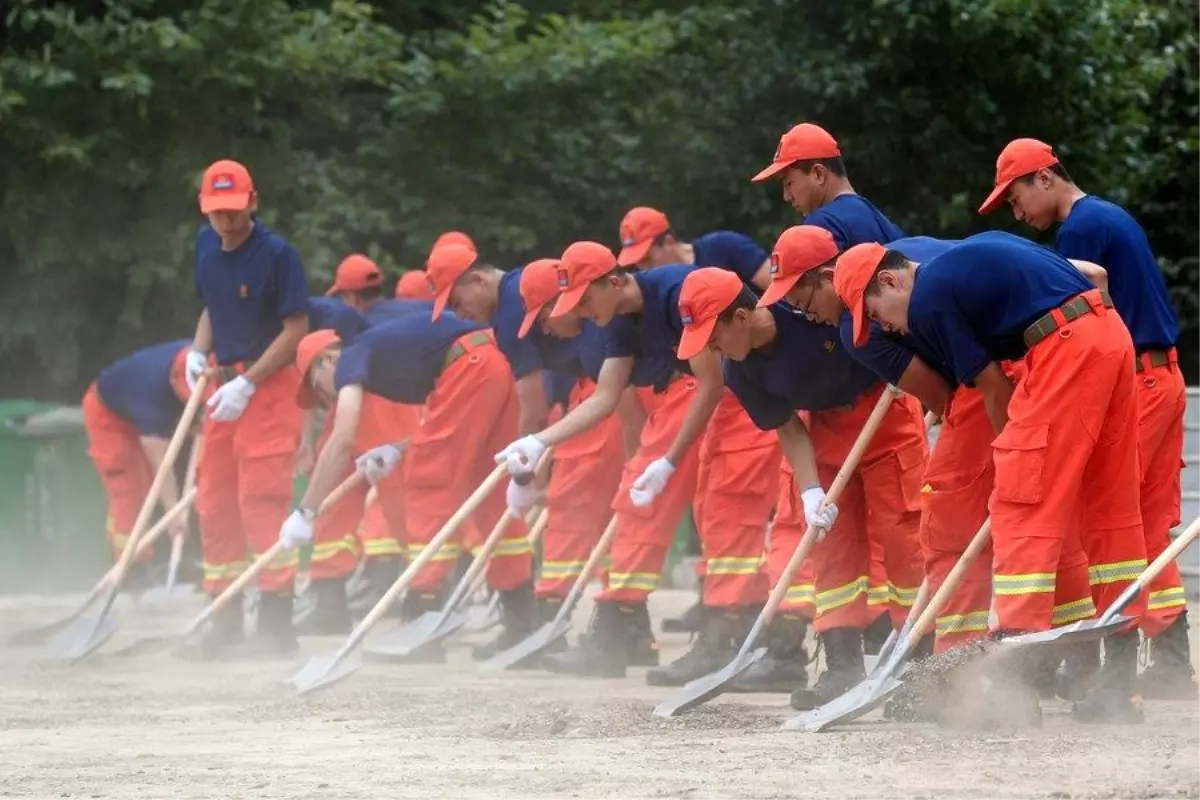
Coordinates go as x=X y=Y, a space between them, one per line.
x=703 y=689
x=483 y=616
x=859 y=701
x=32 y=636
x=402 y=641
x=146 y=645
x=1082 y=631
x=82 y=637
x=323 y=671
x=535 y=642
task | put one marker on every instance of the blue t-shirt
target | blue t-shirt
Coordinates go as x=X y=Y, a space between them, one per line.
x=558 y=386
x=248 y=292
x=331 y=314
x=804 y=369
x=653 y=336
x=972 y=304
x=1103 y=232
x=536 y=351
x=735 y=252
x=401 y=360
x=138 y=389
x=852 y=219
x=383 y=311
x=889 y=354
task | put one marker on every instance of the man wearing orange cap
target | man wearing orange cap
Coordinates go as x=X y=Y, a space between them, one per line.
x=1065 y=458
x=1035 y=184
x=453 y=368
x=129 y=413
x=413 y=285
x=255 y=298
x=778 y=363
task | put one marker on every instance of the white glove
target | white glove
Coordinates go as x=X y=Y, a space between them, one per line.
x=194 y=367
x=296 y=530
x=817 y=511
x=230 y=400
x=522 y=456
x=521 y=498
x=651 y=482
x=378 y=462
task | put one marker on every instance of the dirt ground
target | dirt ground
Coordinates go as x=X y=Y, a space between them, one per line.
x=155 y=726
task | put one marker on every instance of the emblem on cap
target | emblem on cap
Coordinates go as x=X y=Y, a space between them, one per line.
x=779 y=148
x=222 y=182
x=774 y=263
x=685 y=314
x=564 y=278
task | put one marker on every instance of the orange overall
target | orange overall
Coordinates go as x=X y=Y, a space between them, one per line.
x=244 y=484
x=587 y=471
x=644 y=534
x=471 y=414
x=1066 y=466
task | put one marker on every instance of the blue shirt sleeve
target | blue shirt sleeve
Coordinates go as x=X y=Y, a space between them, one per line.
x=965 y=353
x=732 y=251
x=766 y=411
x=353 y=368
x=293 y=286
x=882 y=354
x=1082 y=240
x=621 y=338
x=823 y=219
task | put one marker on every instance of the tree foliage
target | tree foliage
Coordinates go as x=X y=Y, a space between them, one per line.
x=375 y=126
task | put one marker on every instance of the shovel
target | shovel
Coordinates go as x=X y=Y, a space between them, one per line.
x=549 y=632
x=485 y=615
x=150 y=644
x=79 y=639
x=705 y=688
x=158 y=596
x=885 y=679
x=322 y=671
x=873 y=663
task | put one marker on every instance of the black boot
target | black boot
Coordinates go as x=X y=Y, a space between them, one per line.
x=602 y=652
x=1081 y=663
x=224 y=633
x=643 y=647
x=416 y=604
x=379 y=572
x=274 y=633
x=518 y=618
x=329 y=615
x=876 y=634
x=844 y=669
x=1170 y=675
x=1112 y=699
x=689 y=621
x=714 y=646
x=784 y=667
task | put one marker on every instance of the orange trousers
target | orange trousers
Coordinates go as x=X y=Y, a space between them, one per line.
x=644 y=535
x=879 y=598
x=881 y=499
x=115 y=448
x=1067 y=465
x=1162 y=400
x=471 y=414
x=587 y=470
x=244 y=485
x=347 y=530
x=737 y=462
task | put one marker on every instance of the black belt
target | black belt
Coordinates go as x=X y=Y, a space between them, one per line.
x=1073 y=309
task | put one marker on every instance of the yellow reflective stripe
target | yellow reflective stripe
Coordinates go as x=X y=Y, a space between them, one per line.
x=382 y=547
x=1027 y=583
x=734 y=565
x=878 y=595
x=447 y=552
x=842 y=595
x=643 y=581
x=562 y=569
x=327 y=550
x=1073 y=611
x=802 y=593
x=1116 y=572
x=902 y=596
x=283 y=560
x=970 y=622
x=1166 y=598
x=223 y=572
x=512 y=547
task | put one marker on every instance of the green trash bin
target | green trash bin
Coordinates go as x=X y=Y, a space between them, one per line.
x=52 y=506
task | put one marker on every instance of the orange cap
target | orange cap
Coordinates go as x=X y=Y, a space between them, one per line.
x=581 y=263
x=414 y=285
x=355 y=273
x=307 y=351
x=800 y=248
x=447 y=264
x=539 y=285
x=1019 y=157
x=804 y=142
x=854 y=271
x=639 y=228
x=226 y=186
x=453 y=237
x=705 y=294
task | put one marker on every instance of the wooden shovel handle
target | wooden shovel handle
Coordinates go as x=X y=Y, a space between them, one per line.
x=942 y=595
x=151 y=536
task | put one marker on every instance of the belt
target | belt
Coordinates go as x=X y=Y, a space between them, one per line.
x=227 y=372
x=1154 y=358
x=458 y=349
x=1069 y=311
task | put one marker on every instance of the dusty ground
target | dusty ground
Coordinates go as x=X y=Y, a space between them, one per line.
x=158 y=727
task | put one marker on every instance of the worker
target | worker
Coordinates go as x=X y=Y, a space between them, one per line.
x=453 y=368
x=1066 y=461
x=1032 y=179
x=735 y=464
x=808 y=161
x=413 y=285
x=129 y=414
x=251 y=283
x=778 y=363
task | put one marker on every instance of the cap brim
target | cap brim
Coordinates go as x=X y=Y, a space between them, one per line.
x=439 y=302
x=777 y=290
x=773 y=169
x=568 y=300
x=695 y=338
x=996 y=197
x=862 y=330
x=239 y=201
x=631 y=255
x=332 y=290
x=530 y=317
